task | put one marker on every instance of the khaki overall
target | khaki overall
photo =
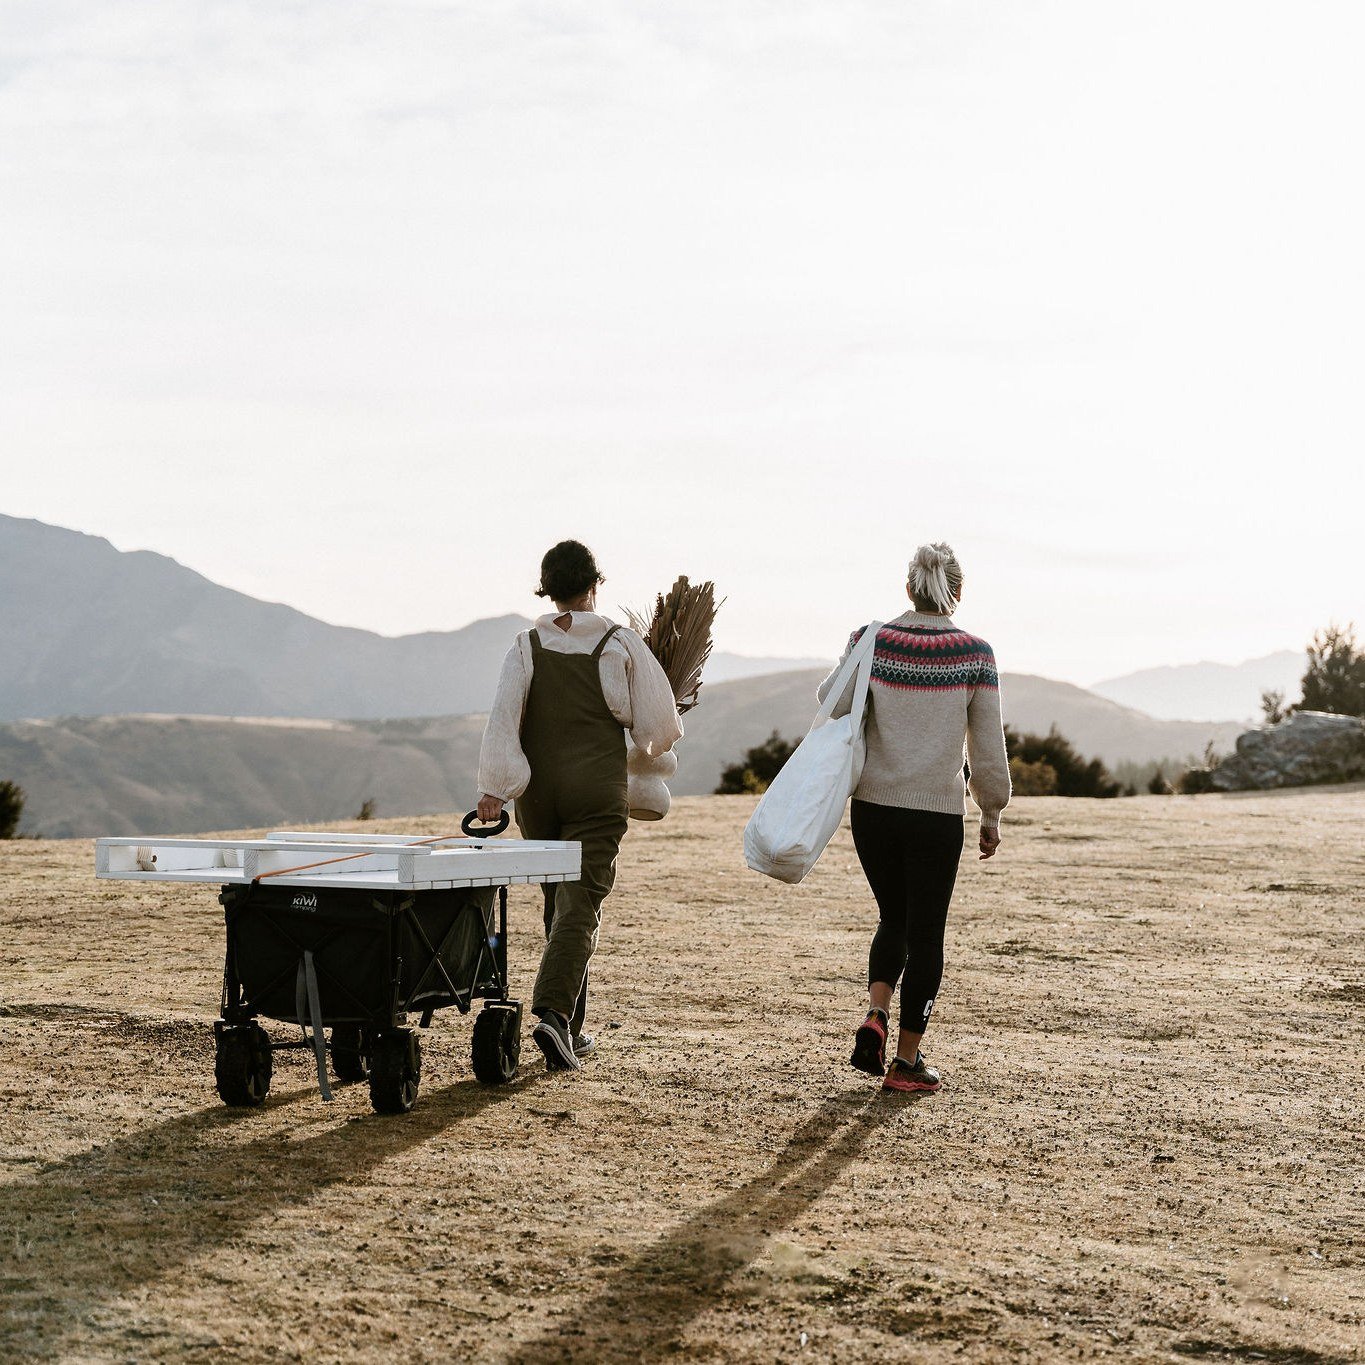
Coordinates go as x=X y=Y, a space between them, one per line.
x=577 y=752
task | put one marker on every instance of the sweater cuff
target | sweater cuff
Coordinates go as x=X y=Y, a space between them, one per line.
x=990 y=821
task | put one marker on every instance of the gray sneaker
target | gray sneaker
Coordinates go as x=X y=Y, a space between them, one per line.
x=551 y=1036
x=584 y=1043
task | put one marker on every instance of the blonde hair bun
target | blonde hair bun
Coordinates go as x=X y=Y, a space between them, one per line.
x=935 y=577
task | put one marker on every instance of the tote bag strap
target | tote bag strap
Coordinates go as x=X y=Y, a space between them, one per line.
x=864 y=674
x=860 y=658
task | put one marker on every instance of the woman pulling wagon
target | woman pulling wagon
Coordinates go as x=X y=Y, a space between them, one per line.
x=934 y=687
x=555 y=744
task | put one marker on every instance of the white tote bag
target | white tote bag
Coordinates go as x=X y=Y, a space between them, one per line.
x=798 y=814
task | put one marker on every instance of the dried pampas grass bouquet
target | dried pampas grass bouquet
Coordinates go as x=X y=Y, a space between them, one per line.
x=679 y=635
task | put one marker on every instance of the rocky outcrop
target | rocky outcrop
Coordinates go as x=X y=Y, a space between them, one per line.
x=1308 y=748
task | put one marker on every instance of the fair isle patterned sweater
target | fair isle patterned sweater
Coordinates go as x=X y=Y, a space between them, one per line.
x=934 y=690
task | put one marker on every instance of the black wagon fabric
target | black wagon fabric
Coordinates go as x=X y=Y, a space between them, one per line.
x=372 y=954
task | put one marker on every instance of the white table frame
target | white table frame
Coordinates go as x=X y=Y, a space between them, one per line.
x=367 y=862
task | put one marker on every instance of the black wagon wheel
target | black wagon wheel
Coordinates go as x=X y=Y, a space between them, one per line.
x=242 y=1064
x=496 y=1049
x=395 y=1071
x=349 y=1059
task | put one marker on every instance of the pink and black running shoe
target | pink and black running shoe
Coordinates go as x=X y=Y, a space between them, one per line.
x=869 y=1044
x=920 y=1079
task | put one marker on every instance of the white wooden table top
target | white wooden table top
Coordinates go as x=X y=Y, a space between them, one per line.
x=380 y=862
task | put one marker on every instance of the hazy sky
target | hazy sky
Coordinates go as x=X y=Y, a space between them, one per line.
x=360 y=306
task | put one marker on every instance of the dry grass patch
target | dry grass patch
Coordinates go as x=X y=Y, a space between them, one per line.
x=1148 y=1144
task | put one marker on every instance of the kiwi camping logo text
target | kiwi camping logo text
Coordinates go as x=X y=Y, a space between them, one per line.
x=305 y=903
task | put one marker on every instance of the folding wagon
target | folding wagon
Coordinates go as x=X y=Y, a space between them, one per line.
x=353 y=933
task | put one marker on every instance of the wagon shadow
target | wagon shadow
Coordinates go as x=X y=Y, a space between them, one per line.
x=77 y=1233
x=641 y=1311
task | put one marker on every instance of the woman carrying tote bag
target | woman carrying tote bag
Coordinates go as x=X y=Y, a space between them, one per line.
x=933 y=689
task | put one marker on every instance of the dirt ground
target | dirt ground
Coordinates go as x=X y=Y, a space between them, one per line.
x=1148 y=1145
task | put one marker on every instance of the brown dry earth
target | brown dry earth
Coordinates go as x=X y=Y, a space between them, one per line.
x=1147 y=1146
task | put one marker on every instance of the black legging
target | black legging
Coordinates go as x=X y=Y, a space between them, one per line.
x=910 y=858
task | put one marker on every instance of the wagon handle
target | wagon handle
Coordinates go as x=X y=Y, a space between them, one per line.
x=488 y=832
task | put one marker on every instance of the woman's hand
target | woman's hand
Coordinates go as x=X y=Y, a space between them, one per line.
x=990 y=841
x=490 y=808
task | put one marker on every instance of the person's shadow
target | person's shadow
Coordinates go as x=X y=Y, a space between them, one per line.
x=642 y=1310
x=79 y=1232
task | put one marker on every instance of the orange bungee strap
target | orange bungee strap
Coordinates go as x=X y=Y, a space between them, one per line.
x=349 y=857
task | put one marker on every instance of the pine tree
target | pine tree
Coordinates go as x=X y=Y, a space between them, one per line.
x=1335 y=680
x=1075 y=777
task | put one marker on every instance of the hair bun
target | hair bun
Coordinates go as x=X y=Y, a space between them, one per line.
x=936 y=577
x=568 y=571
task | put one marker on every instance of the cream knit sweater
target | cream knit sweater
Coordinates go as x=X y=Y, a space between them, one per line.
x=934 y=689
x=634 y=686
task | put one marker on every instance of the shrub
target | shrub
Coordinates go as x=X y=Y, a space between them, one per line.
x=1195 y=780
x=1199 y=777
x=1075 y=776
x=11 y=808
x=1141 y=776
x=1033 y=779
x=1335 y=679
x=367 y=809
x=1273 y=708
x=757 y=768
x=1159 y=786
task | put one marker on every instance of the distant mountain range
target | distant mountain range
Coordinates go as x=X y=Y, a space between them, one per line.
x=722 y=667
x=1209 y=691
x=182 y=774
x=88 y=630
x=251 y=697
x=735 y=716
x=168 y=774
